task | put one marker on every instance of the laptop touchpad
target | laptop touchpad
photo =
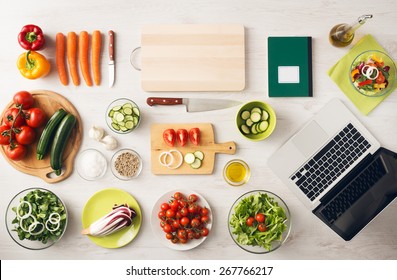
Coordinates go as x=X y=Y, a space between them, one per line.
x=310 y=139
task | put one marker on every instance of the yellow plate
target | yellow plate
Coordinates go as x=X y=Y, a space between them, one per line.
x=100 y=204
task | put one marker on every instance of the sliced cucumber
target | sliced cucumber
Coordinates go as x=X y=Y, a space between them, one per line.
x=196 y=163
x=255 y=117
x=199 y=155
x=189 y=158
x=245 y=115
x=245 y=129
x=256 y=109
x=124 y=117
x=253 y=129
x=249 y=122
x=263 y=125
x=265 y=115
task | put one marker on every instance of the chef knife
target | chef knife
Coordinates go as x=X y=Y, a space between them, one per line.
x=111 y=58
x=193 y=104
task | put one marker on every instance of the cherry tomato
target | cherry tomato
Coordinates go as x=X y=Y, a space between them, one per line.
x=170 y=213
x=11 y=117
x=24 y=99
x=190 y=235
x=5 y=134
x=192 y=208
x=161 y=215
x=193 y=198
x=204 y=211
x=174 y=205
x=250 y=221
x=183 y=240
x=204 y=232
x=175 y=240
x=195 y=223
x=205 y=219
x=35 y=117
x=182 y=234
x=169 y=137
x=182 y=137
x=184 y=221
x=262 y=227
x=167 y=228
x=165 y=206
x=163 y=223
x=169 y=236
x=182 y=203
x=25 y=135
x=16 y=151
x=260 y=218
x=194 y=136
x=178 y=196
x=184 y=212
x=176 y=224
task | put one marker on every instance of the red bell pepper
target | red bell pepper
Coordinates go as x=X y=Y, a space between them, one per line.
x=366 y=82
x=31 y=37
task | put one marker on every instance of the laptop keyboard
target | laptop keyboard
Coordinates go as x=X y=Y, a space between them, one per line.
x=330 y=162
x=353 y=191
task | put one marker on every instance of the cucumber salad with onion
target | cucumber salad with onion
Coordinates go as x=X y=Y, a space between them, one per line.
x=40 y=216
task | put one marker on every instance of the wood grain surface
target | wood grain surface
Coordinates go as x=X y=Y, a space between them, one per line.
x=207 y=146
x=193 y=57
x=49 y=102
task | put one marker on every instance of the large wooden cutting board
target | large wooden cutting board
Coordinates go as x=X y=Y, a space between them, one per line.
x=193 y=57
x=207 y=146
x=50 y=102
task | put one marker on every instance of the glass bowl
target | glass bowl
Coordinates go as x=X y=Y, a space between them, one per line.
x=42 y=238
x=91 y=164
x=259 y=237
x=123 y=116
x=373 y=73
x=126 y=164
x=257 y=126
x=236 y=172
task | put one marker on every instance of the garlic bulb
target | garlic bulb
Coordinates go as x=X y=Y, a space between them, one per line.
x=96 y=133
x=109 y=142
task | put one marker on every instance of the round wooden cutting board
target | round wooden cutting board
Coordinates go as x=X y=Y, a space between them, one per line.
x=49 y=102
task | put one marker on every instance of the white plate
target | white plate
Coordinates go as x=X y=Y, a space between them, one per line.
x=158 y=231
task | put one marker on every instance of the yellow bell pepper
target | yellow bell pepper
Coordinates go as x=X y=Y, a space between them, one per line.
x=380 y=86
x=33 y=65
x=354 y=73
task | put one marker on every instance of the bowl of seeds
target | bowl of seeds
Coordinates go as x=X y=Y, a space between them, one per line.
x=126 y=164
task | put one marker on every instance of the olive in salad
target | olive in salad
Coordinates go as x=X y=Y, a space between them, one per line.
x=258 y=220
x=370 y=75
x=40 y=216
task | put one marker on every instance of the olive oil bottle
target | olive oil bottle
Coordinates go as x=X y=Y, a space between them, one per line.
x=341 y=35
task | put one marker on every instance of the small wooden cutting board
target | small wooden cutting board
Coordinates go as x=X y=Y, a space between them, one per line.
x=49 y=102
x=207 y=146
x=193 y=57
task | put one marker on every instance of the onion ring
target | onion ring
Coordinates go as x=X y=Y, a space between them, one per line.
x=163 y=158
x=368 y=70
x=52 y=230
x=26 y=215
x=33 y=226
x=24 y=229
x=180 y=157
x=54 y=220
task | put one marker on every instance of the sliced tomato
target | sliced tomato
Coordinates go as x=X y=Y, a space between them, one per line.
x=169 y=137
x=182 y=136
x=194 y=136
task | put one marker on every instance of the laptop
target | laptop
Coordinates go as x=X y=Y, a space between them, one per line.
x=338 y=170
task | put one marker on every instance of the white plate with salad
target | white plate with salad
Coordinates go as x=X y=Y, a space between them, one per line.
x=36 y=218
x=259 y=222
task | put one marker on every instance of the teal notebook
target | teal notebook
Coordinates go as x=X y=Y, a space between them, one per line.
x=290 y=66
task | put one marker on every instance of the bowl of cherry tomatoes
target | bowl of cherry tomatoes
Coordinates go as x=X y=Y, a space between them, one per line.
x=181 y=220
x=19 y=124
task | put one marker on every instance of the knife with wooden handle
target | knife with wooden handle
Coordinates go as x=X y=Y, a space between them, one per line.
x=111 y=58
x=193 y=104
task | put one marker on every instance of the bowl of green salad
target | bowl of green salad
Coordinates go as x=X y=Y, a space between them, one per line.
x=259 y=222
x=373 y=73
x=36 y=218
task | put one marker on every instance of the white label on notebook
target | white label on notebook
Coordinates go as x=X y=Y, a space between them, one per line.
x=288 y=74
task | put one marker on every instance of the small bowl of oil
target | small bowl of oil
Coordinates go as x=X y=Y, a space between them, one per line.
x=236 y=172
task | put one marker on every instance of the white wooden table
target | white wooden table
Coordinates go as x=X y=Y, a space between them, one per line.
x=309 y=239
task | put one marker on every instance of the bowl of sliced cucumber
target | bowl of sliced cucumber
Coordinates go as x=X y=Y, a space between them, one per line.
x=256 y=120
x=123 y=116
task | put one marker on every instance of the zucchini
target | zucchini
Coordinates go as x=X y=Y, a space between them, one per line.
x=61 y=139
x=48 y=133
x=189 y=158
x=199 y=155
x=196 y=164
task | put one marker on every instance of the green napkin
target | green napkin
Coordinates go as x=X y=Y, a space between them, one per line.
x=339 y=73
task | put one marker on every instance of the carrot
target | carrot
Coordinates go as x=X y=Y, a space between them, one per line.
x=60 y=58
x=83 y=57
x=71 y=50
x=96 y=43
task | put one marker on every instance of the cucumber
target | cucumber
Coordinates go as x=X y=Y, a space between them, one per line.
x=189 y=158
x=61 y=139
x=199 y=155
x=253 y=129
x=124 y=117
x=256 y=109
x=263 y=125
x=196 y=164
x=48 y=133
x=265 y=115
x=249 y=122
x=255 y=117
x=245 y=115
x=245 y=129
